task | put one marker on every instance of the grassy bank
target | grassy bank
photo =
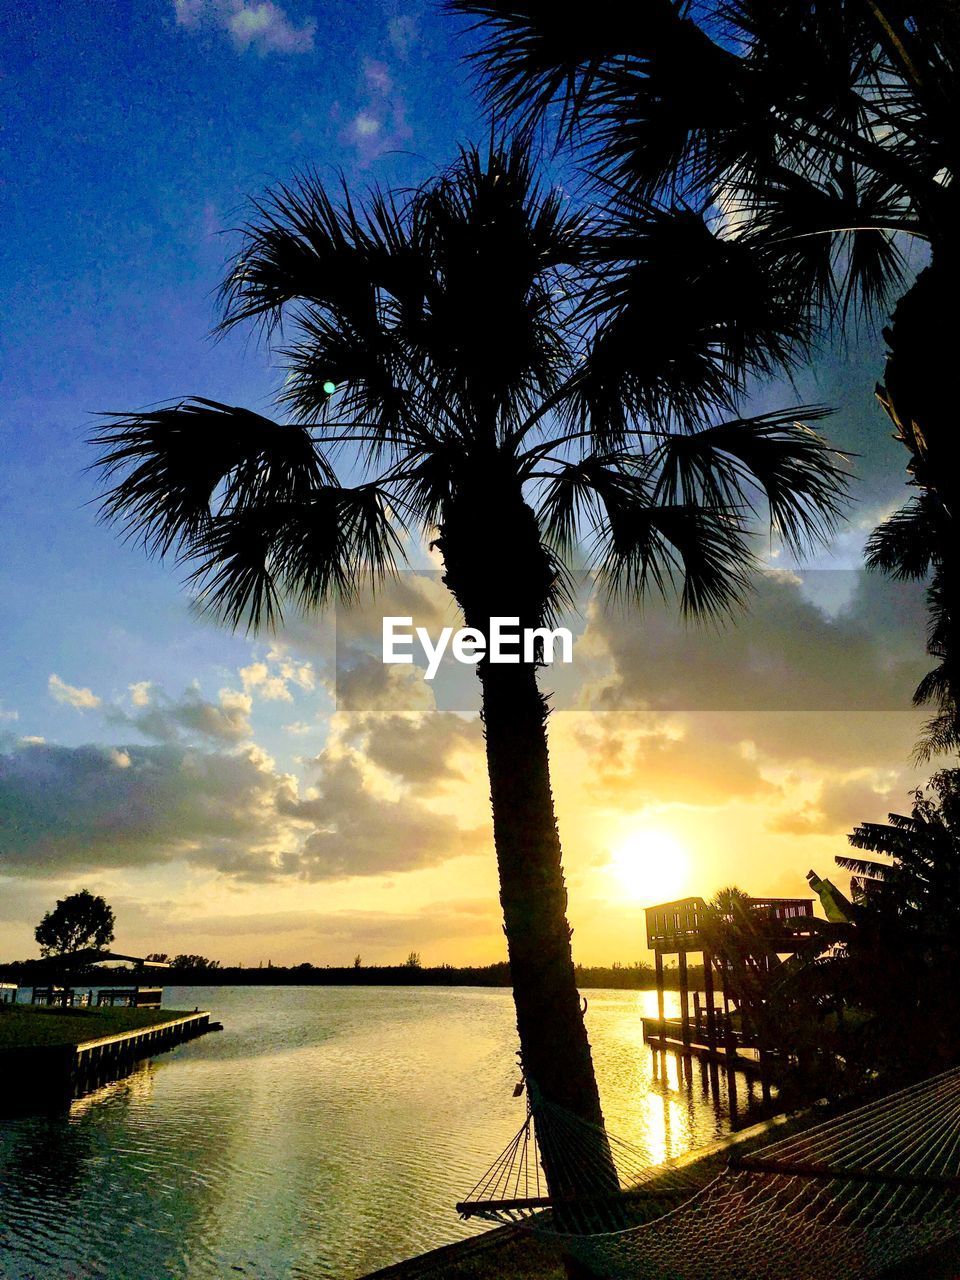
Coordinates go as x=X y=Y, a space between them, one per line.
x=29 y=1027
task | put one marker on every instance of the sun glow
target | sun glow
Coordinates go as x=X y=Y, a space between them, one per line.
x=648 y=867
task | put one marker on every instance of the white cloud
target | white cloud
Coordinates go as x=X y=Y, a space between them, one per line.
x=377 y=76
x=402 y=33
x=365 y=126
x=264 y=26
x=360 y=833
x=380 y=122
x=82 y=699
x=140 y=693
x=272 y=688
x=272 y=678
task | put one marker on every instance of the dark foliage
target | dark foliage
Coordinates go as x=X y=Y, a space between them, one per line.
x=900 y=964
x=78 y=921
x=811 y=141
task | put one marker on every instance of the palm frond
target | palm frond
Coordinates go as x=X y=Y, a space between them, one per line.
x=795 y=469
x=907 y=543
x=169 y=467
x=704 y=555
x=250 y=558
x=863 y=866
x=504 y=254
x=537 y=53
x=681 y=318
x=300 y=245
x=832 y=238
x=940 y=735
x=572 y=496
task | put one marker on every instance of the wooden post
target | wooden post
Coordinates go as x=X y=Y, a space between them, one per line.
x=658 y=962
x=727 y=1029
x=709 y=997
x=684 y=1003
x=765 y=1076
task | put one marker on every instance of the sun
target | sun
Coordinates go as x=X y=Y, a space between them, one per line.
x=648 y=866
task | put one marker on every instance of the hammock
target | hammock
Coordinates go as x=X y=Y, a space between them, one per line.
x=847 y=1199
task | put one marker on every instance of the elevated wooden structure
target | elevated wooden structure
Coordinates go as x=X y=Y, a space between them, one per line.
x=705 y=1028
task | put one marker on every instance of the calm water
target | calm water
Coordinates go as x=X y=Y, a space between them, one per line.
x=326 y=1132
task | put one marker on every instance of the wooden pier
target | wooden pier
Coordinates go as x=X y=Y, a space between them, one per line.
x=54 y=1073
x=733 y=1057
x=110 y=1056
x=711 y=1030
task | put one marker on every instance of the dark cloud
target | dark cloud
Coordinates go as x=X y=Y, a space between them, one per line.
x=359 y=833
x=784 y=653
x=840 y=806
x=365 y=685
x=826 y=680
x=421 y=750
x=81 y=808
x=93 y=806
x=165 y=719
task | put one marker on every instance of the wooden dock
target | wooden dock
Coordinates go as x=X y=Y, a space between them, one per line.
x=672 y=1040
x=54 y=1073
x=720 y=1031
x=110 y=1056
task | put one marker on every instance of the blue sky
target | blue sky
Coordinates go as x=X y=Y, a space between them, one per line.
x=133 y=134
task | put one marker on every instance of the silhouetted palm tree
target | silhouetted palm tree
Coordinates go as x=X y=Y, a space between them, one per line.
x=903 y=951
x=440 y=338
x=817 y=136
x=777 y=987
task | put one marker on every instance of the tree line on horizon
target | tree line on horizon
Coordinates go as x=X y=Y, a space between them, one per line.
x=198 y=970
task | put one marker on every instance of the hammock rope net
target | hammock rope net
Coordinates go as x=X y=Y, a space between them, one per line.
x=849 y=1198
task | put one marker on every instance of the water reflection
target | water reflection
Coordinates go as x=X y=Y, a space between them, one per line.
x=326 y=1132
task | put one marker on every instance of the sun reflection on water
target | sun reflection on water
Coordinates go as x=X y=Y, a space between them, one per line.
x=325 y=1133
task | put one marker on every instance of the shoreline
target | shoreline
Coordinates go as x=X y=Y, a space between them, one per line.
x=490 y=977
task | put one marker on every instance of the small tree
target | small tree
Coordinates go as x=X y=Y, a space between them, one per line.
x=412 y=961
x=78 y=921
x=357 y=961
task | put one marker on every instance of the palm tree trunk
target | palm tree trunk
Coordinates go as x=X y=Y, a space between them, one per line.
x=556 y=1052
x=498 y=567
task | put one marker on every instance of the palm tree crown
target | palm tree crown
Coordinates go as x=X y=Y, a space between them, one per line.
x=443 y=345
x=447 y=346
x=817 y=137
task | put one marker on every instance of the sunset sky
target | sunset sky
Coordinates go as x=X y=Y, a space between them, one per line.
x=255 y=798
